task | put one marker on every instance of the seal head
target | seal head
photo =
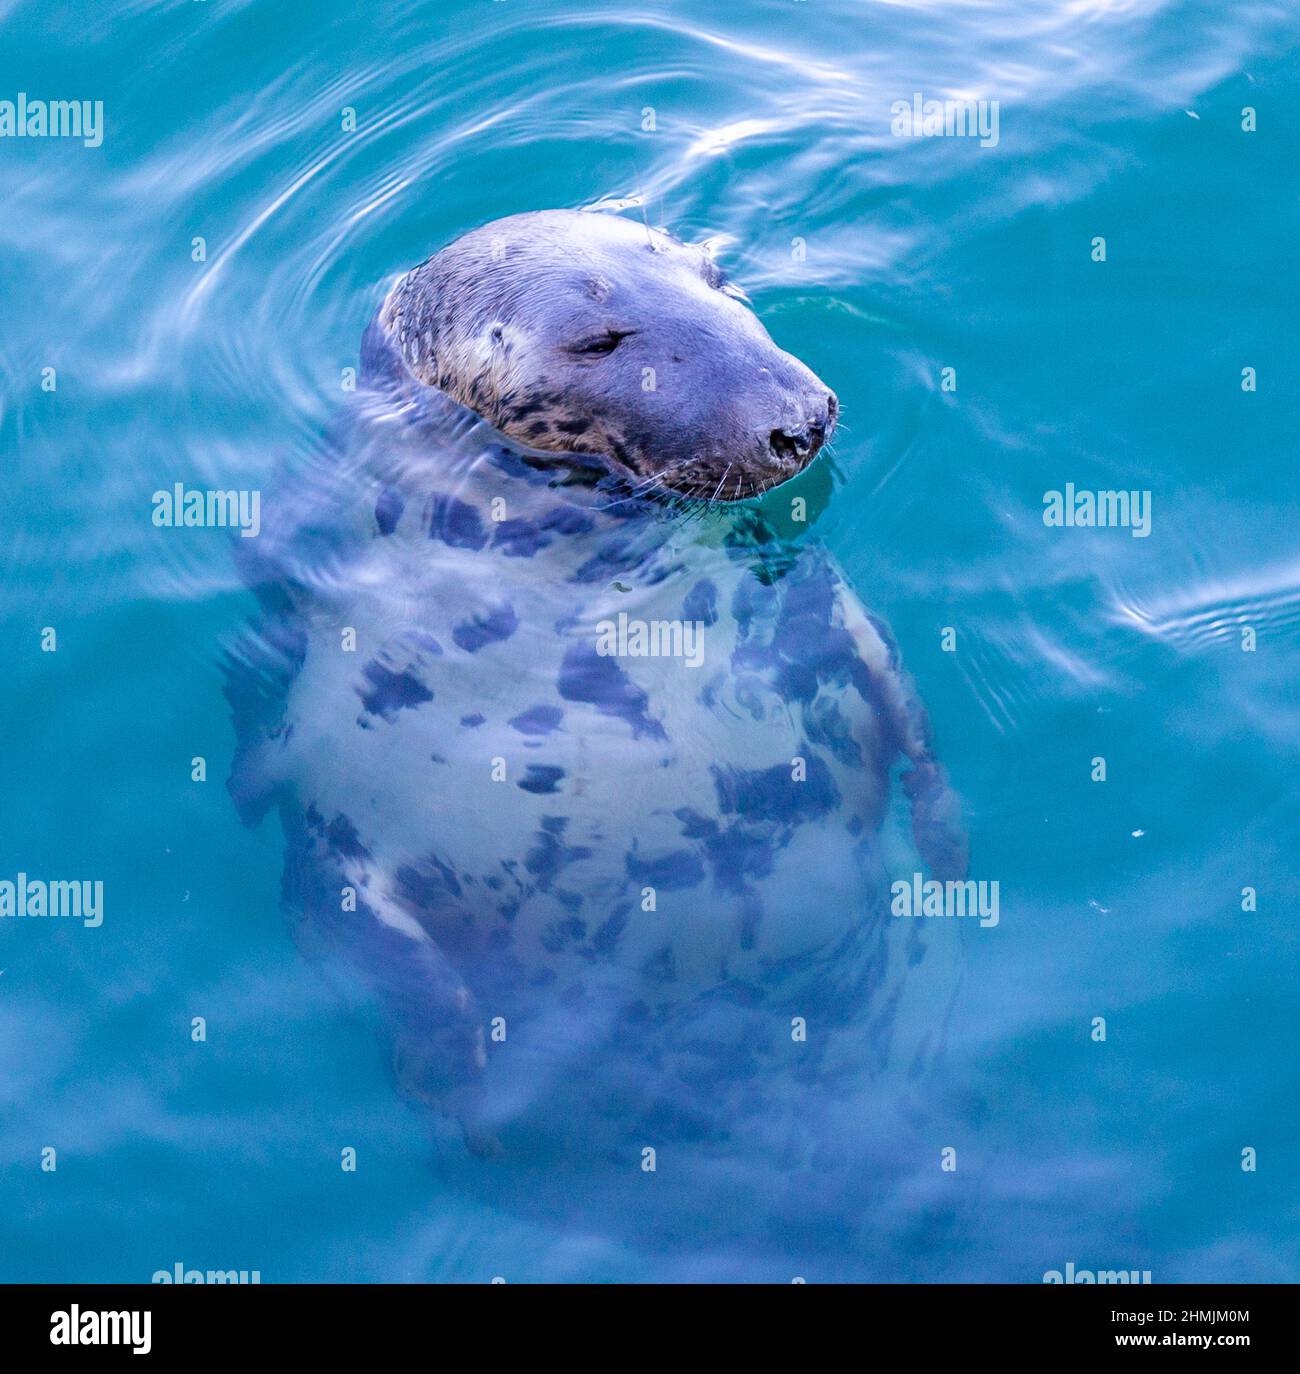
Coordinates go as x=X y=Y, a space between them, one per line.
x=579 y=332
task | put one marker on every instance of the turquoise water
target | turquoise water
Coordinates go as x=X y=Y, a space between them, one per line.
x=879 y=260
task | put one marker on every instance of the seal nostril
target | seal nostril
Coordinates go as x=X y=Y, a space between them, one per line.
x=800 y=444
x=787 y=447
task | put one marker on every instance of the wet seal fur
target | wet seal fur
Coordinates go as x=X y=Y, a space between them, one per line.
x=584 y=883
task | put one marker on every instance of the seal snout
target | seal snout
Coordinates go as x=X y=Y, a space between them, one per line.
x=795 y=445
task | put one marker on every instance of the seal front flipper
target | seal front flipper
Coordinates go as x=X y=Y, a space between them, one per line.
x=937 y=826
x=347 y=910
x=439 y=1046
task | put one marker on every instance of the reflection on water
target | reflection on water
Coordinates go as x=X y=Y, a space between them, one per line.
x=199 y=285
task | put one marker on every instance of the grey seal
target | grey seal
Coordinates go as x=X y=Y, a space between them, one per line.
x=597 y=795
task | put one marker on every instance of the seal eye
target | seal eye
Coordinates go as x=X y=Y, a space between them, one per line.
x=600 y=344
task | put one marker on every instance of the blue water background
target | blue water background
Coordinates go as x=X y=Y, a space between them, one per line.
x=1119 y=899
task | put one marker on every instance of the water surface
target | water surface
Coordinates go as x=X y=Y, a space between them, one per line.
x=879 y=260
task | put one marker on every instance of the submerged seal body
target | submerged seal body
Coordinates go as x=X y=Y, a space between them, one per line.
x=562 y=764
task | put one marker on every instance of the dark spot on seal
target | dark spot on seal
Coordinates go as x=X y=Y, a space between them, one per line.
x=523 y=538
x=537 y=720
x=563 y=933
x=490 y=628
x=388 y=509
x=427 y=885
x=738 y=853
x=456 y=524
x=753 y=605
x=569 y=520
x=771 y=794
x=829 y=727
x=680 y=869
x=473 y=721
x=613 y=556
x=605 y=940
x=701 y=603
x=340 y=834
x=389 y=692
x=519 y=538
x=522 y=466
x=550 y=854
x=541 y=777
x=588 y=676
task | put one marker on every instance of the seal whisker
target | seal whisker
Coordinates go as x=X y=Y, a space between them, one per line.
x=644 y=488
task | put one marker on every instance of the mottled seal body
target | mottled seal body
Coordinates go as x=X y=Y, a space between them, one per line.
x=560 y=763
